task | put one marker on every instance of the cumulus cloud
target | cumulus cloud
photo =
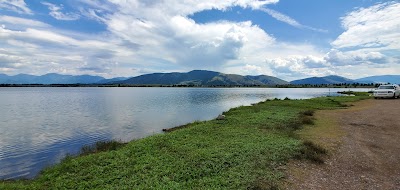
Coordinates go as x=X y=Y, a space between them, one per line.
x=340 y=58
x=38 y=51
x=298 y=65
x=166 y=30
x=9 y=61
x=18 y=6
x=334 y=61
x=157 y=36
x=377 y=26
x=160 y=36
x=55 y=11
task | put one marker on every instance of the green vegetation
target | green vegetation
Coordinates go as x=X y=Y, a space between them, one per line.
x=355 y=93
x=334 y=85
x=244 y=151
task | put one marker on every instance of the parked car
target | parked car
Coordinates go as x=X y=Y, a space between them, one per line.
x=387 y=91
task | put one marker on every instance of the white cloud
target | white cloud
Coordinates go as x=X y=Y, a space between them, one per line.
x=55 y=11
x=288 y=20
x=176 y=7
x=18 y=6
x=340 y=58
x=159 y=36
x=377 y=26
x=295 y=66
x=37 y=51
x=164 y=29
x=11 y=20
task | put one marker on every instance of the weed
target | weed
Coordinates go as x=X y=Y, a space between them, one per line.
x=101 y=146
x=312 y=152
x=308 y=112
x=307 y=120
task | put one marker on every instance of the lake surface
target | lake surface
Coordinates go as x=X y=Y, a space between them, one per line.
x=39 y=126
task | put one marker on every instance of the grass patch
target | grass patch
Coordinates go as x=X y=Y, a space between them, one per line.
x=356 y=93
x=244 y=151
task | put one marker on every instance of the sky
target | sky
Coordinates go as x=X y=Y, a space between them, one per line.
x=288 y=39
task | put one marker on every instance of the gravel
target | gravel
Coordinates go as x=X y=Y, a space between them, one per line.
x=369 y=155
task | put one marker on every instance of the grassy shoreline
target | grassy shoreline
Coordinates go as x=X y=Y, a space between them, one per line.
x=246 y=150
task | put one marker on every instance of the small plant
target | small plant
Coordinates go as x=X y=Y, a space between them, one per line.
x=311 y=151
x=308 y=112
x=101 y=146
x=307 y=120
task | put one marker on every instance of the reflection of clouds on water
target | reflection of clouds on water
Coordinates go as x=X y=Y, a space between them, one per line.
x=38 y=126
x=26 y=162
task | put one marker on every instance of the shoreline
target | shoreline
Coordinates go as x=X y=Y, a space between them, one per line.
x=230 y=122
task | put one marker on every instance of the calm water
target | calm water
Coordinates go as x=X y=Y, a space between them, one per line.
x=39 y=126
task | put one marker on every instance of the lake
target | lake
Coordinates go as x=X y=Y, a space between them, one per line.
x=40 y=126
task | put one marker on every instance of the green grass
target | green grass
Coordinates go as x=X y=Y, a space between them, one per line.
x=244 y=151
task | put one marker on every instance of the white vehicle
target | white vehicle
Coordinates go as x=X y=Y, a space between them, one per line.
x=387 y=91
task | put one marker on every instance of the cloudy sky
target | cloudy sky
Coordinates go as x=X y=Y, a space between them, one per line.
x=289 y=39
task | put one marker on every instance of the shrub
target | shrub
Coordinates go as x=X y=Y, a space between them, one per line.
x=308 y=112
x=311 y=151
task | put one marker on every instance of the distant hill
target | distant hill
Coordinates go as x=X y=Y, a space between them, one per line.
x=202 y=77
x=331 y=79
x=393 y=79
x=195 y=77
x=53 y=78
x=107 y=81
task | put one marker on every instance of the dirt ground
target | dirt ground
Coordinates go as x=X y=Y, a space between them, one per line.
x=368 y=154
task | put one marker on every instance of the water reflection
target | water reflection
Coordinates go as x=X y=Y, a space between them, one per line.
x=39 y=126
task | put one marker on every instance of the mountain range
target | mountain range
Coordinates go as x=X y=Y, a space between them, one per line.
x=53 y=78
x=331 y=79
x=195 y=77
x=202 y=78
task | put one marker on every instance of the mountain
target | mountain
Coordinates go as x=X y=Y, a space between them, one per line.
x=331 y=79
x=393 y=79
x=195 y=77
x=106 y=81
x=202 y=77
x=17 y=79
x=51 y=78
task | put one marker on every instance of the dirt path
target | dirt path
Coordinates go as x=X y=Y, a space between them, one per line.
x=368 y=156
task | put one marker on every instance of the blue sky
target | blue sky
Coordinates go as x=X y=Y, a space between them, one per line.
x=288 y=39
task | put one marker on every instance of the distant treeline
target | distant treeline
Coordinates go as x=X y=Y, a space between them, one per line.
x=340 y=85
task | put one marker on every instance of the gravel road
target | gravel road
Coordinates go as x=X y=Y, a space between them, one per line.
x=369 y=154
